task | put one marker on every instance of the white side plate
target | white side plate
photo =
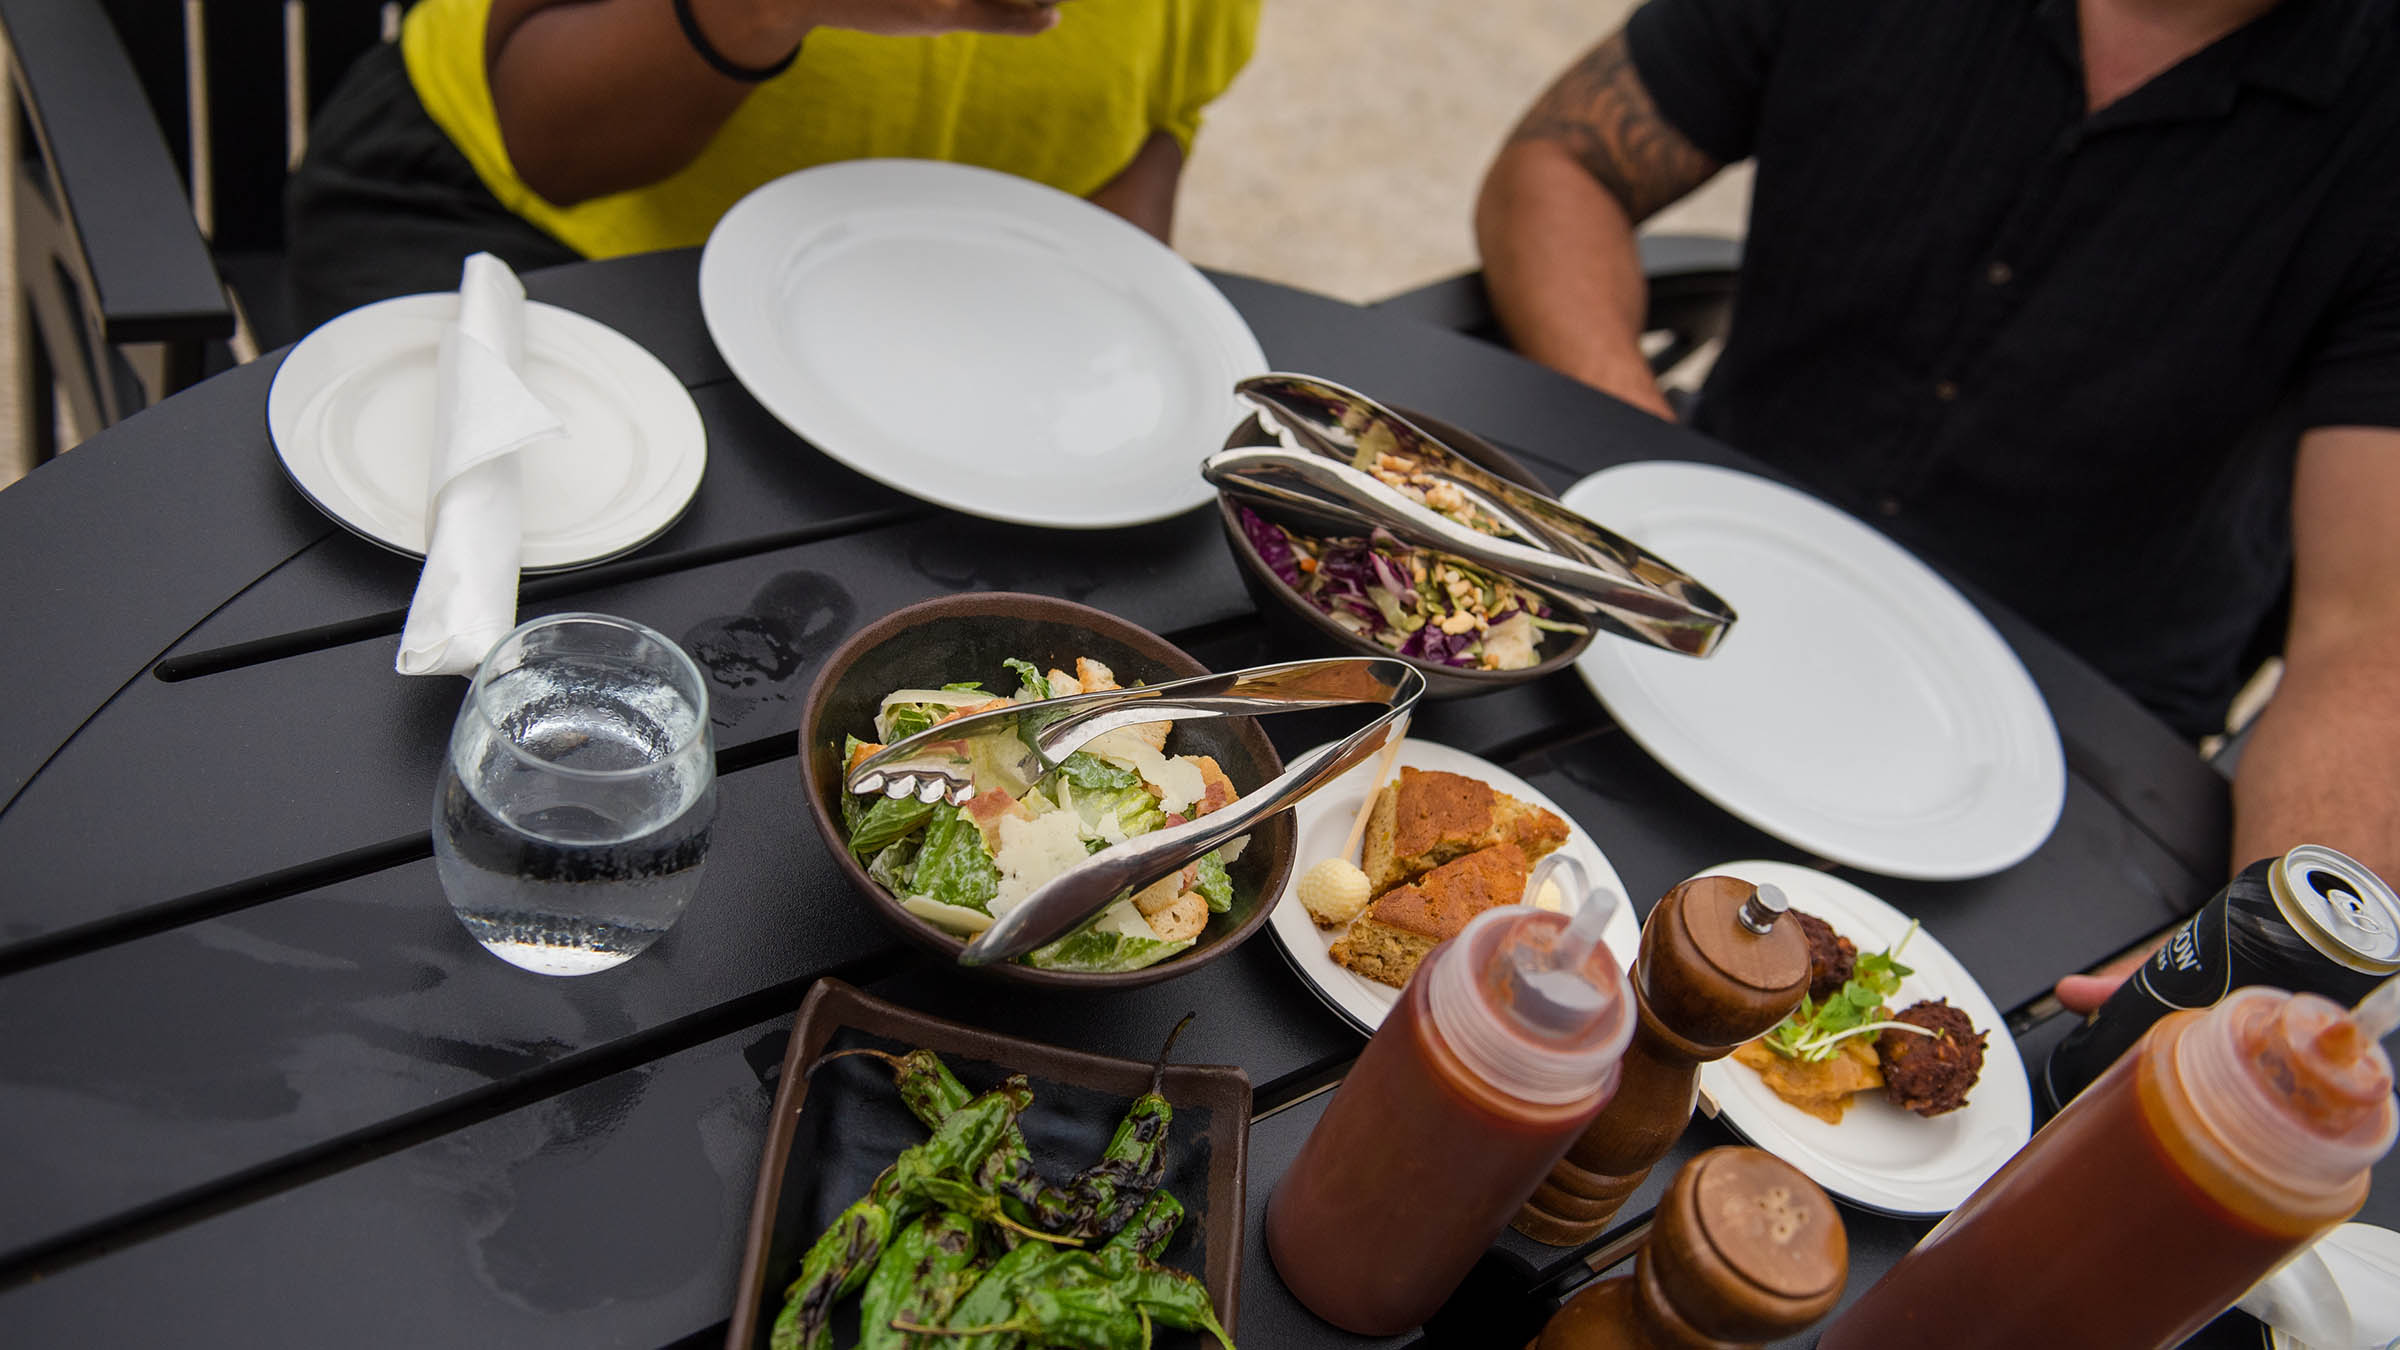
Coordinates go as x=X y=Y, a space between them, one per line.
x=1860 y=709
x=351 y=415
x=1883 y=1157
x=1325 y=818
x=978 y=340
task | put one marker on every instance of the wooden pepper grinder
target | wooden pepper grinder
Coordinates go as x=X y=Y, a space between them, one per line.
x=1744 y=1251
x=1716 y=969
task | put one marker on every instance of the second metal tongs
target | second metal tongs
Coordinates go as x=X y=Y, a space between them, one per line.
x=1316 y=442
x=1019 y=744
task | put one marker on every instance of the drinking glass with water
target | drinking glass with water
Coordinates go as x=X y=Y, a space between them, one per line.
x=575 y=803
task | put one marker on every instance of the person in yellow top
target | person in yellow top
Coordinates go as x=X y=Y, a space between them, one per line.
x=545 y=131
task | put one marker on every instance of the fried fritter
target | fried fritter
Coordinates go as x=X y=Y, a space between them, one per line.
x=1931 y=1074
x=1830 y=956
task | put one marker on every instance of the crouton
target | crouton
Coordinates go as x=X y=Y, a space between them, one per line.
x=1160 y=894
x=1181 y=920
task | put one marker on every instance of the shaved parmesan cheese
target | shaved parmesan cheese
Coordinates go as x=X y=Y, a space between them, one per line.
x=1178 y=779
x=1033 y=851
x=1124 y=920
x=1231 y=851
x=942 y=697
x=956 y=918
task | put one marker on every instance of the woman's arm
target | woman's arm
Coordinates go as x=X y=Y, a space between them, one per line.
x=1144 y=191
x=599 y=96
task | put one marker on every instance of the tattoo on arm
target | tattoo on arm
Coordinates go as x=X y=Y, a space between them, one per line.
x=1599 y=113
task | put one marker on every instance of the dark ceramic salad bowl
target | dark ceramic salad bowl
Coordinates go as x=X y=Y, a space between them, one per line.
x=969 y=637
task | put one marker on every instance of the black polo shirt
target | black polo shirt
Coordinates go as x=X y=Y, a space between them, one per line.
x=2067 y=354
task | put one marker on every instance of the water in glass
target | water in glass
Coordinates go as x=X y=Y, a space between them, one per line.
x=574 y=809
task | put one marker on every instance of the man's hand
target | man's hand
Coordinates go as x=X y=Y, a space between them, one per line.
x=2085 y=993
x=1592 y=159
x=2319 y=768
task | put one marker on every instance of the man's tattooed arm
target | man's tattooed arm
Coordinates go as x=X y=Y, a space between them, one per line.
x=1600 y=114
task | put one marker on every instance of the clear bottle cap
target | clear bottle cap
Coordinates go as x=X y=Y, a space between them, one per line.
x=1536 y=1005
x=2298 y=1079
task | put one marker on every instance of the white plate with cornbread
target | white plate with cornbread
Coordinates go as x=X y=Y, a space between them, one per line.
x=1452 y=835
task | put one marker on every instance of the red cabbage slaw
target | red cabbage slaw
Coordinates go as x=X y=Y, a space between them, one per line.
x=1417 y=603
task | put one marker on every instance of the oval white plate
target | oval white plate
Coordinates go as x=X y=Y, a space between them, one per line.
x=1860 y=709
x=351 y=415
x=978 y=340
x=1325 y=818
x=1883 y=1157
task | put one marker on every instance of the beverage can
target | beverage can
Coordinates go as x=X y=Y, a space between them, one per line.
x=2313 y=920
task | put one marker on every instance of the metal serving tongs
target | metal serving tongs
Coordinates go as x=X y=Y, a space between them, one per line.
x=1313 y=434
x=1017 y=745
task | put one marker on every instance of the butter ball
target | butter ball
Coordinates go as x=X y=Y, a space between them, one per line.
x=1333 y=892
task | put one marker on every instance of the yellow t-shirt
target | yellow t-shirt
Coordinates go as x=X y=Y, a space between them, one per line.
x=1068 y=108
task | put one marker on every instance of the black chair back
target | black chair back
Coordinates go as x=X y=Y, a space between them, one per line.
x=154 y=138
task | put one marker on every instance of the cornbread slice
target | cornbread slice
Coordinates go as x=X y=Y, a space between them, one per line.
x=1396 y=932
x=1426 y=818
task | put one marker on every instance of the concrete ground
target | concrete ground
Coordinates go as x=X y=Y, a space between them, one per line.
x=1344 y=160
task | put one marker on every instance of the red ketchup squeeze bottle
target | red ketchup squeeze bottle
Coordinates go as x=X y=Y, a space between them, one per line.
x=1502 y=1048
x=2223 y=1142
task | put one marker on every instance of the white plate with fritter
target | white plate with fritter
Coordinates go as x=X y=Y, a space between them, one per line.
x=1325 y=818
x=1883 y=1157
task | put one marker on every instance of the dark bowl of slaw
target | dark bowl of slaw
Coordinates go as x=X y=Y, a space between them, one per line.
x=1315 y=632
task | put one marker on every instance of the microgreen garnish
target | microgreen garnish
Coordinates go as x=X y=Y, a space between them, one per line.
x=1816 y=1030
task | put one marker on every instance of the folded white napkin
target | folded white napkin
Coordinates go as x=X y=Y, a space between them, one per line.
x=2341 y=1294
x=483 y=414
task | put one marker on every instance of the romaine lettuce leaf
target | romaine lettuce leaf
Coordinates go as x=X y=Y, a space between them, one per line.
x=889 y=819
x=953 y=866
x=1090 y=773
x=1089 y=949
x=892 y=868
x=1214 y=885
x=1030 y=679
x=1136 y=811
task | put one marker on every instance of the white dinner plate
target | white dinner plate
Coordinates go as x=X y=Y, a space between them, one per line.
x=1860 y=709
x=1324 y=819
x=351 y=415
x=1882 y=1156
x=978 y=340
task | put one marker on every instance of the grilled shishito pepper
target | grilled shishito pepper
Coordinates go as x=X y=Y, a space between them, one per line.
x=1104 y=1196
x=1152 y=1229
x=994 y=1298
x=838 y=1261
x=844 y=1255
x=922 y=1273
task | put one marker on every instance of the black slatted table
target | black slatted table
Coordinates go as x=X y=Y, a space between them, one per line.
x=258 y=1087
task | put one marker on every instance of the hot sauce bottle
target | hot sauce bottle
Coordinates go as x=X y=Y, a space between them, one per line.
x=1503 y=1046
x=1716 y=969
x=2224 y=1141
x=1744 y=1250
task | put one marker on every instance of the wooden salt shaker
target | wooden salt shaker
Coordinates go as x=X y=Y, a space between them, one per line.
x=1716 y=969
x=1744 y=1251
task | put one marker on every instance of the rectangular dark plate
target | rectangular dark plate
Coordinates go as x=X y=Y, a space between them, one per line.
x=834 y=1132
